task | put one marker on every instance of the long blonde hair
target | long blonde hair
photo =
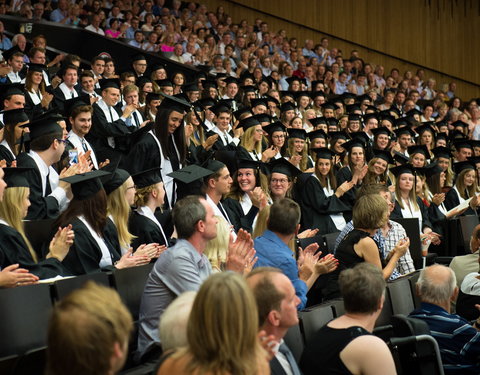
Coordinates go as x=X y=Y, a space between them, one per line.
x=142 y=195
x=217 y=248
x=218 y=344
x=462 y=189
x=412 y=195
x=11 y=210
x=248 y=142
x=118 y=207
x=291 y=152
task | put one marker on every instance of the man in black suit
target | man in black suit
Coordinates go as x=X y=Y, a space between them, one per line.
x=277 y=311
x=66 y=90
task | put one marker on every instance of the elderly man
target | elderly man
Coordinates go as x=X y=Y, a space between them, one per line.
x=277 y=312
x=459 y=342
x=184 y=266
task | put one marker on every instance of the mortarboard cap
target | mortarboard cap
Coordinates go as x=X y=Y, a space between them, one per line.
x=385 y=155
x=164 y=83
x=190 y=87
x=219 y=108
x=205 y=102
x=43 y=126
x=86 y=185
x=115 y=179
x=297 y=133
x=239 y=112
x=442 y=152
x=263 y=117
x=317 y=134
x=230 y=80
x=14 y=116
x=248 y=88
x=463 y=143
x=175 y=104
x=37 y=67
x=356 y=142
x=324 y=153
x=462 y=166
x=258 y=101
x=277 y=126
x=109 y=83
x=152 y=96
x=404 y=130
x=138 y=57
x=191 y=173
x=338 y=135
x=287 y=106
x=248 y=122
x=79 y=101
x=401 y=169
x=400 y=158
x=382 y=130
x=426 y=126
x=147 y=178
x=329 y=105
x=12 y=89
x=16 y=177
x=419 y=149
x=283 y=166
x=248 y=164
x=318 y=120
x=460 y=123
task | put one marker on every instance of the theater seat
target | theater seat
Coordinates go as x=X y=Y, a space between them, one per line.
x=32 y=362
x=25 y=311
x=130 y=283
x=294 y=341
x=314 y=318
x=401 y=296
x=63 y=287
x=7 y=364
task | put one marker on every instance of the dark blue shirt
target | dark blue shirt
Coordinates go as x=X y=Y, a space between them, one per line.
x=459 y=342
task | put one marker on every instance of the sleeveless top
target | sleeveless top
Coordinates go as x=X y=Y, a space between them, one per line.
x=345 y=253
x=323 y=352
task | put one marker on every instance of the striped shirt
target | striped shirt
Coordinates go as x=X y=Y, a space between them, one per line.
x=459 y=342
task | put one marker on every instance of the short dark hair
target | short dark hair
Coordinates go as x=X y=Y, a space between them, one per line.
x=44 y=142
x=186 y=214
x=81 y=109
x=366 y=189
x=284 y=216
x=362 y=287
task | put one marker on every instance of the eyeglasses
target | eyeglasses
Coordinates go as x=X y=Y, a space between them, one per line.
x=64 y=141
x=279 y=181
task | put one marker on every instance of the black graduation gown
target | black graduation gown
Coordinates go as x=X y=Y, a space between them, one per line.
x=452 y=201
x=345 y=174
x=41 y=207
x=13 y=250
x=436 y=218
x=102 y=129
x=145 y=230
x=6 y=155
x=237 y=217
x=85 y=254
x=59 y=99
x=317 y=207
x=143 y=155
x=32 y=110
x=426 y=223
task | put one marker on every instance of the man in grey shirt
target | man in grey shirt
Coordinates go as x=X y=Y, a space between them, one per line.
x=184 y=267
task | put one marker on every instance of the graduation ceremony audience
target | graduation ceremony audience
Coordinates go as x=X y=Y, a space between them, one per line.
x=259 y=177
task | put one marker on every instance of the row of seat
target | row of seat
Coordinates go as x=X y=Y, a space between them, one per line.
x=25 y=313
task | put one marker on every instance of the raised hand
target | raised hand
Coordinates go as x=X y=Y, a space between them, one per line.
x=61 y=242
x=239 y=252
x=128 y=260
x=326 y=265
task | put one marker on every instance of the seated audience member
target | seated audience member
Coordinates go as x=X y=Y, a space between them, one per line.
x=273 y=251
x=369 y=214
x=459 y=342
x=346 y=344
x=469 y=296
x=386 y=237
x=172 y=329
x=462 y=265
x=183 y=267
x=218 y=344
x=277 y=312
x=86 y=335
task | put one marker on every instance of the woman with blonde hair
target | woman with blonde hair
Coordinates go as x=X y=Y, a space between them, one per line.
x=378 y=168
x=121 y=191
x=297 y=150
x=250 y=147
x=149 y=196
x=465 y=188
x=216 y=343
x=16 y=248
x=217 y=248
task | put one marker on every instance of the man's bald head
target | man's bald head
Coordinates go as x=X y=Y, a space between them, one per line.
x=437 y=284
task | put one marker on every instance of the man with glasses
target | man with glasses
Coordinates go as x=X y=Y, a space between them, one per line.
x=139 y=65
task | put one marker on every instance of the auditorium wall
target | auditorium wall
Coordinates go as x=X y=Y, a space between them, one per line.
x=440 y=36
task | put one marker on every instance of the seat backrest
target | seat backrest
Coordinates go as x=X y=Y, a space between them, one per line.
x=467 y=224
x=25 y=312
x=32 y=362
x=130 y=283
x=338 y=307
x=7 y=364
x=384 y=317
x=61 y=288
x=412 y=279
x=404 y=326
x=413 y=233
x=294 y=341
x=401 y=296
x=319 y=239
x=330 y=239
x=313 y=319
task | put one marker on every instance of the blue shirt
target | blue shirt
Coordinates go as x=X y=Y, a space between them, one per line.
x=272 y=252
x=459 y=342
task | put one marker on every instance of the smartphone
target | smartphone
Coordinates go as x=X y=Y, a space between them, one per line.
x=73 y=157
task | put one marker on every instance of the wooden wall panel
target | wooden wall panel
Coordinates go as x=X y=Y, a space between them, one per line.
x=441 y=35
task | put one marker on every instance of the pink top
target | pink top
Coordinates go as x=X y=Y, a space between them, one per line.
x=113 y=34
x=166 y=48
